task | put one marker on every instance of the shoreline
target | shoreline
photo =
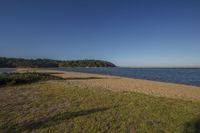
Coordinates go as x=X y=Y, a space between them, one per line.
x=132 y=77
x=117 y=83
x=135 y=77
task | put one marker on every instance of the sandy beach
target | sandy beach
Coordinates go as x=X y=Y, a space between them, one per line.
x=116 y=83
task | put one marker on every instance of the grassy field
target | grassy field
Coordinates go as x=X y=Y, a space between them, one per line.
x=64 y=106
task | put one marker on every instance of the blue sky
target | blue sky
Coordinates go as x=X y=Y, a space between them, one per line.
x=126 y=32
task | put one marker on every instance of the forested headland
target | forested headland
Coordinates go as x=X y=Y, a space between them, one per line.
x=36 y=63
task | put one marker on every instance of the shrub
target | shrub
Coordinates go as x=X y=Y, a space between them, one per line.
x=22 y=78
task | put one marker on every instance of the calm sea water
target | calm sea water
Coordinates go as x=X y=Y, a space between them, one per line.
x=7 y=70
x=189 y=76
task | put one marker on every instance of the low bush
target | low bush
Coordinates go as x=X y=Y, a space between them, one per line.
x=22 y=78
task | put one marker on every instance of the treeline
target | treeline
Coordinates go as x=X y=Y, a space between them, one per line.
x=35 y=63
x=86 y=63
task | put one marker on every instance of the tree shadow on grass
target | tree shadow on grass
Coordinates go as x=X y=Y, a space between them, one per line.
x=192 y=127
x=47 y=122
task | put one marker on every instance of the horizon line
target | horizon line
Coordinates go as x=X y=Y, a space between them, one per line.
x=159 y=66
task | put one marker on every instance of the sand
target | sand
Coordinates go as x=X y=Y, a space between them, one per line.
x=116 y=83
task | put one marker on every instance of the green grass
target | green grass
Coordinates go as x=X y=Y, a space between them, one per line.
x=62 y=106
x=23 y=78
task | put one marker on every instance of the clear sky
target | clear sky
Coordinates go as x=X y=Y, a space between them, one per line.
x=126 y=32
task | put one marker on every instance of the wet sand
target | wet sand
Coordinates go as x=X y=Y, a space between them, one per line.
x=116 y=83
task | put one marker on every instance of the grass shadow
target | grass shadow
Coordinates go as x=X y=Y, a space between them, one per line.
x=51 y=72
x=47 y=122
x=192 y=127
x=83 y=78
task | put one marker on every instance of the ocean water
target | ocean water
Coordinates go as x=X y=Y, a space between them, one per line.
x=188 y=76
x=7 y=70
